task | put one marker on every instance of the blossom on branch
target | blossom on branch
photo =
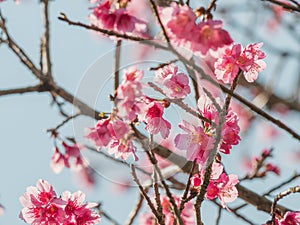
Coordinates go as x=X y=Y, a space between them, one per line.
x=43 y=206
x=236 y=58
x=221 y=185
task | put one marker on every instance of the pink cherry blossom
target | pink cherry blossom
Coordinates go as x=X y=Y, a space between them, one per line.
x=129 y=94
x=177 y=86
x=118 y=20
x=196 y=180
x=230 y=129
x=227 y=190
x=77 y=211
x=235 y=58
x=100 y=134
x=155 y=122
x=226 y=67
x=41 y=206
x=196 y=143
x=290 y=218
x=58 y=161
x=179 y=20
x=209 y=35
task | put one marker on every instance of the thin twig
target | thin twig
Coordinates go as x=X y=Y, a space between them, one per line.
x=187 y=188
x=55 y=129
x=133 y=214
x=280 y=196
x=143 y=192
x=36 y=88
x=117 y=65
x=155 y=11
x=219 y=215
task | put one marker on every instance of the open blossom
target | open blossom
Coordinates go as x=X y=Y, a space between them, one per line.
x=176 y=85
x=183 y=29
x=236 y=58
x=43 y=207
x=290 y=218
x=155 y=121
x=115 y=134
x=210 y=35
x=196 y=143
x=118 y=20
x=187 y=214
x=100 y=134
x=70 y=159
x=230 y=129
x=77 y=211
x=221 y=185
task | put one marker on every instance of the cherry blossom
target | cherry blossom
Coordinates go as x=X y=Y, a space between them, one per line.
x=58 y=161
x=290 y=218
x=221 y=185
x=230 y=129
x=42 y=206
x=118 y=20
x=78 y=212
x=236 y=58
x=176 y=85
x=196 y=143
x=154 y=120
x=100 y=134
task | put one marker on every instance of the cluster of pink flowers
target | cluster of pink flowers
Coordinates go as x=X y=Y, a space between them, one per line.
x=236 y=58
x=70 y=159
x=181 y=25
x=43 y=206
x=230 y=129
x=187 y=214
x=289 y=218
x=118 y=20
x=199 y=140
x=176 y=85
x=115 y=134
x=221 y=185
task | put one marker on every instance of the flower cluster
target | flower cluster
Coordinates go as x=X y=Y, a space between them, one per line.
x=118 y=20
x=236 y=58
x=199 y=140
x=115 y=134
x=43 y=206
x=289 y=218
x=181 y=25
x=72 y=154
x=187 y=214
x=176 y=85
x=221 y=185
x=230 y=129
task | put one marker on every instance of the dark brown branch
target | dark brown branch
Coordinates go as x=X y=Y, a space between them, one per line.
x=117 y=65
x=36 y=88
x=45 y=42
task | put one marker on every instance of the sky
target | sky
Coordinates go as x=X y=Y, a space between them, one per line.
x=82 y=63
